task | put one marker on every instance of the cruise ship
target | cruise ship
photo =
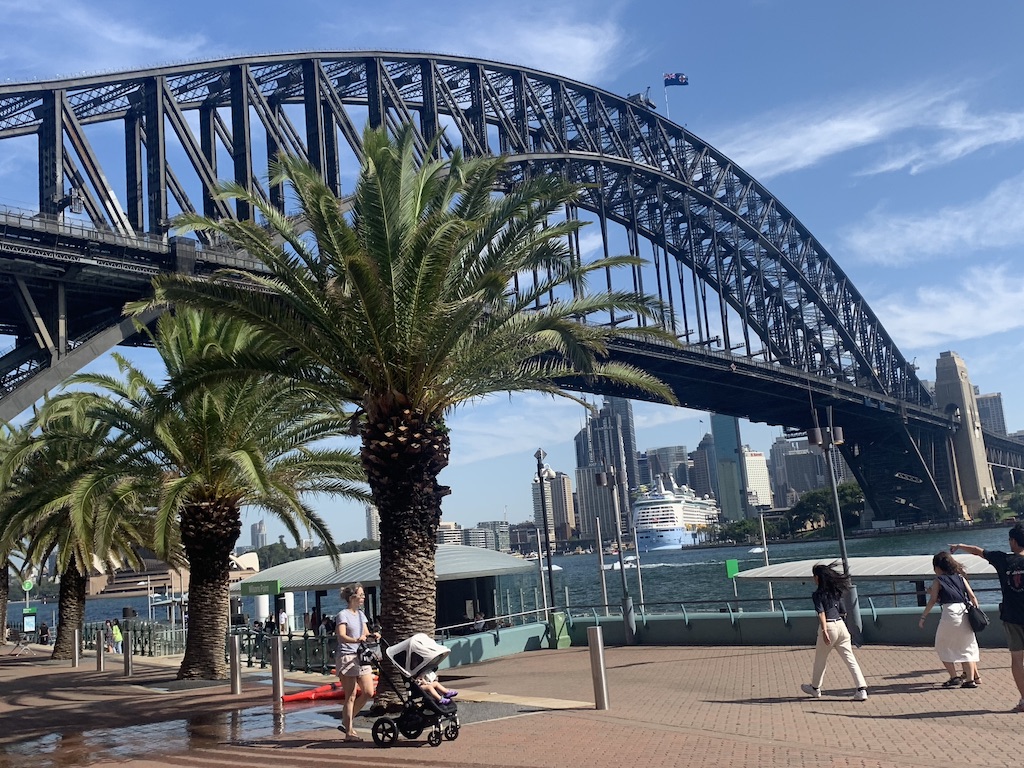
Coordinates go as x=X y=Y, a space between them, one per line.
x=670 y=519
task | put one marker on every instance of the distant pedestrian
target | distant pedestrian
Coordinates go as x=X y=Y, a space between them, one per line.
x=44 y=634
x=282 y=621
x=955 y=641
x=108 y=636
x=832 y=632
x=115 y=632
x=1010 y=567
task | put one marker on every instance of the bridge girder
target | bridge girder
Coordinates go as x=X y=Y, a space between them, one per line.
x=716 y=235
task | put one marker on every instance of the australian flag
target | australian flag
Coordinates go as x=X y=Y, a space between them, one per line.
x=675 y=78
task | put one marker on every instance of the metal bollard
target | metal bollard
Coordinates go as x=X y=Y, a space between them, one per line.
x=126 y=649
x=236 y=664
x=100 y=650
x=277 y=669
x=595 y=641
x=76 y=651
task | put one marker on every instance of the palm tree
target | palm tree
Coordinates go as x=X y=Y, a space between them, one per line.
x=435 y=294
x=210 y=452
x=58 y=499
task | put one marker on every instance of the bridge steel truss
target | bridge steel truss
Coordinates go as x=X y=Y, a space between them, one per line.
x=772 y=328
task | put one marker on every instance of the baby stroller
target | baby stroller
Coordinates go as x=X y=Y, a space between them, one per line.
x=413 y=658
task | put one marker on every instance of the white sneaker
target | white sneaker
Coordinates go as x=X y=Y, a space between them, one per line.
x=861 y=694
x=810 y=690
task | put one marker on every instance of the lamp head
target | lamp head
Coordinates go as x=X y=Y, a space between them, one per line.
x=540 y=455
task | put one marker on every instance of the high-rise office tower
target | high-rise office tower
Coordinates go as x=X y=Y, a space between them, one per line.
x=542 y=505
x=990 y=411
x=562 y=509
x=602 y=446
x=704 y=474
x=732 y=481
x=623 y=409
x=670 y=462
x=372 y=523
x=258 y=532
x=759 y=484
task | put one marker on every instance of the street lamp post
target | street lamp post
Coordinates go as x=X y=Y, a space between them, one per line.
x=149 y=596
x=543 y=474
x=826 y=439
x=628 y=616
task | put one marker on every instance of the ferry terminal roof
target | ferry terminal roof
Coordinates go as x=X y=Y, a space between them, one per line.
x=452 y=561
x=892 y=568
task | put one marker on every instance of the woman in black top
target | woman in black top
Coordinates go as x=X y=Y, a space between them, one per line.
x=955 y=641
x=832 y=631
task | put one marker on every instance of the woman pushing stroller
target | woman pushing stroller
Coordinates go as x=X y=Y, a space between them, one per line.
x=351 y=630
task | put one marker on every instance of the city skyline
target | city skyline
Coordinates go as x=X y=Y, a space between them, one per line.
x=904 y=164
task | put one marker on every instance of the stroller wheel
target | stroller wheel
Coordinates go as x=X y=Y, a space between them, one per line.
x=451 y=732
x=385 y=732
x=434 y=739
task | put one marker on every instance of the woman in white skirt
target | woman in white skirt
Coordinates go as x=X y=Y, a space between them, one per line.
x=955 y=641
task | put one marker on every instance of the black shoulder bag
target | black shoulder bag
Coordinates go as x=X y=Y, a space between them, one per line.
x=977 y=618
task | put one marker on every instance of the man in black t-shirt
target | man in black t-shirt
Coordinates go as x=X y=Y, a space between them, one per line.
x=1010 y=567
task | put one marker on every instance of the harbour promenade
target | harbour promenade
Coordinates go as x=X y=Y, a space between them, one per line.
x=670 y=706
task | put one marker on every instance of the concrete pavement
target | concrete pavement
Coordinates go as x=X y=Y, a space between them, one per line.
x=670 y=706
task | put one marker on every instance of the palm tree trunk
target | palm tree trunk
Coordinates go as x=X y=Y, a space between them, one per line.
x=71 y=612
x=209 y=531
x=403 y=455
x=5 y=595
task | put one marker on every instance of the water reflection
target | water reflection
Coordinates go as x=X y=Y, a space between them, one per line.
x=76 y=747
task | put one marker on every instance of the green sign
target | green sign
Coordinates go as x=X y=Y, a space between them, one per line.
x=732 y=567
x=261 y=587
x=27 y=585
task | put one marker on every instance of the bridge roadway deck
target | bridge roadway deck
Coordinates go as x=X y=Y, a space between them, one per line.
x=670 y=706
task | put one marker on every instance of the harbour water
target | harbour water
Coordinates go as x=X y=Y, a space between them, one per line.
x=695 y=578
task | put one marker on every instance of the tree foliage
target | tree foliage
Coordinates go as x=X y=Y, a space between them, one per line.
x=434 y=293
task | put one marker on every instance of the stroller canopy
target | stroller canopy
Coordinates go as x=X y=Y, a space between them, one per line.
x=417 y=655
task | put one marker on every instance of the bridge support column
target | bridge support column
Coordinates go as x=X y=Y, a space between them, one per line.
x=955 y=394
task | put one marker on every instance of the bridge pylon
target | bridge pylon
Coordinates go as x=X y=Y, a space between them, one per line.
x=972 y=476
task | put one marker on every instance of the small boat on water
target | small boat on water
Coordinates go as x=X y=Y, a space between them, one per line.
x=756 y=550
x=630 y=561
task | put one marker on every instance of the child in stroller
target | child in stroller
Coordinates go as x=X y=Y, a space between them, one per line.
x=424 y=706
x=429 y=684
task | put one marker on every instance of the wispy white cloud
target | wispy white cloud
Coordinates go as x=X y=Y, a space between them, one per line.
x=961 y=133
x=565 y=37
x=981 y=302
x=804 y=136
x=995 y=221
x=490 y=429
x=51 y=38
x=916 y=129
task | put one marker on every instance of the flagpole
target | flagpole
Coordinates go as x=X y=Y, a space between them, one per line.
x=668 y=113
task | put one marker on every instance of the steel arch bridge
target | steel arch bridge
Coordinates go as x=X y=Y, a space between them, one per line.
x=772 y=328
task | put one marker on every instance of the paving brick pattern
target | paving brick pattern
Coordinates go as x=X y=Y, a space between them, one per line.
x=670 y=707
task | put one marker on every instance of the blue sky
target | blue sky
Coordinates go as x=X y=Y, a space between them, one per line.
x=894 y=131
